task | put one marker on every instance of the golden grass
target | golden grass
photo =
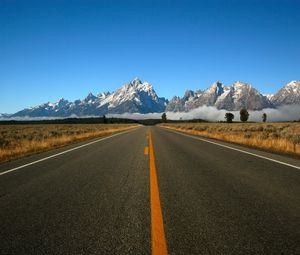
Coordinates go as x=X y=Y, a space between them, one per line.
x=20 y=140
x=275 y=137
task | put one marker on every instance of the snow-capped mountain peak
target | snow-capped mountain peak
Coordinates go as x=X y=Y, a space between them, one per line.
x=240 y=88
x=269 y=96
x=293 y=86
x=289 y=94
x=62 y=101
x=136 y=80
x=188 y=94
x=135 y=96
x=138 y=85
x=241 y=84
x=140 y=97
x=103 y=95
x=219 y=88
x=90 y=98
x=234 y=97
x=146 y=86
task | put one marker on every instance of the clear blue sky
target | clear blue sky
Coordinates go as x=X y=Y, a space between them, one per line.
x=53 y=49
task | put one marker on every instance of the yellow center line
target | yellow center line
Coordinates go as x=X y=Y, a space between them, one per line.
x=146 y=151
x=158 y=239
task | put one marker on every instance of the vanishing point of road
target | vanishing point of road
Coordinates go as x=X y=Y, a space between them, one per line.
x=150 y=191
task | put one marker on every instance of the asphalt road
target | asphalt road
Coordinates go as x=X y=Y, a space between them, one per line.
x=96 y=199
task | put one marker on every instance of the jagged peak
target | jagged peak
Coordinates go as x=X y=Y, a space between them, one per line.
x=146 y=86
x=62 y=100
x=216 y=88
x=103 y=94
x=291 y=87
x=218 y=83
x=241 y=84
x=136 y=78
x=293 y=83
x=90 y=95
x=137 y=85
x=189 y=93
x=136 y=95
x=268 y=96
x=199 y=91
x=215 y=85
x=136 y=81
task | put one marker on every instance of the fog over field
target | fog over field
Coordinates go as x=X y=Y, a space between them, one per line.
x=283 y=113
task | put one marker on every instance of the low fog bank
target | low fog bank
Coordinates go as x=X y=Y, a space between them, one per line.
x=283 y=113
x=210 y=113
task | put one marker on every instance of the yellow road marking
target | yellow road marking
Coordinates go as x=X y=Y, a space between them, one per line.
x=158 y=239
x=146 y=151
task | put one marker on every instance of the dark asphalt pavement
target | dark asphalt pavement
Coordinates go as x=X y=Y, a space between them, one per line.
x=96 y=200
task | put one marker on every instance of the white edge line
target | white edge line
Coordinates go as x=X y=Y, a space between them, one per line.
x=235 y=149
x=63 y=152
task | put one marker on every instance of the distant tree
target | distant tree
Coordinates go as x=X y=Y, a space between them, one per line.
x=264 y=117
x=104 y=119
x=244 y=115
x=164 y=117
x=229 y=117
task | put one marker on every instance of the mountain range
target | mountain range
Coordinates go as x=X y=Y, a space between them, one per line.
x=135 y=96
x=140 y=97
x=234 y=97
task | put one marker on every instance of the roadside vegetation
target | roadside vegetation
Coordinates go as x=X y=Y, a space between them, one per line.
x=275 y=137
x=20 y=140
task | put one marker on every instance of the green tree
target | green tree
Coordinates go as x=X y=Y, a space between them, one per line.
x=164 y=117
x=244 y=115
x=264 y=117
x=229 y=117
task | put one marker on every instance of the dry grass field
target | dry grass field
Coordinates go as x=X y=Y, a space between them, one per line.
x=21 y=140
x=275 y=137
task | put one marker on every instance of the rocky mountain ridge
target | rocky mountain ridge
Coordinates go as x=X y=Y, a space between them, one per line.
x=135 y=96
x=140 y=97
x=234 y=97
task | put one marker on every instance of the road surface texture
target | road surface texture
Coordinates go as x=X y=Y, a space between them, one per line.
x=101 y=198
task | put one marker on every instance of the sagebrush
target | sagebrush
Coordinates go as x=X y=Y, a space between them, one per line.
x=20 y=140
x=277 y=137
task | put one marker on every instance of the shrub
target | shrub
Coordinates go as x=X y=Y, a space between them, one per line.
x=244 y=115
x=247 y=135
x=264 y=117
x=164 y=117
x=229 y=117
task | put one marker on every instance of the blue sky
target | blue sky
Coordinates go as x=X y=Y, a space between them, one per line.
x=53 y=49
